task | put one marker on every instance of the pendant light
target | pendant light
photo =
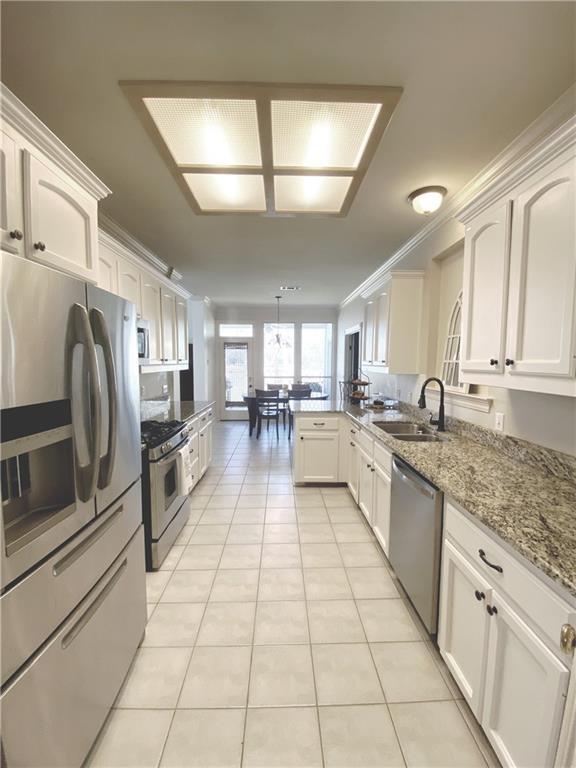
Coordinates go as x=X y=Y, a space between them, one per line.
x=278 y=340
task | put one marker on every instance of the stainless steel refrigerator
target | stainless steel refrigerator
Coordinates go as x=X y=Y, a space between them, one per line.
x=71 y=541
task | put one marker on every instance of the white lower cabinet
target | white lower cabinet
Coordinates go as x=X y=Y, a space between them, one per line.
x=381 y=507
x=463 y=633
x=525 y=691
x=353 y=469
x=205 y=447
x=365 y=484
x=499 y=648
x=316 y=457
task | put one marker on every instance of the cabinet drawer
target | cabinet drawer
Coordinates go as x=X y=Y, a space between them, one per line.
x=318 y=423
x=353 y=428
x=366 y=442
x=66 y=693
x=383 y=458
x=541 y=607
x=193 y=425
x=33 y=609
x=204 y=419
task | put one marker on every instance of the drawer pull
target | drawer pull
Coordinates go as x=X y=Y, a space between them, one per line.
x=479 y=595
x=353 y=444
x=492 y=610
x=568 y=638
x=65 y=563
x=352 y=432
x=39 y=246
x=16 y=234
x=70 y=636
x=488 y=563
x=318 y=423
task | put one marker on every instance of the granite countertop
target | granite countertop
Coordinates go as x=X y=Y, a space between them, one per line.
x=532 y=510
x=168 y=410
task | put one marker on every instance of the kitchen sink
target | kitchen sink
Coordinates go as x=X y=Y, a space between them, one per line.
x=400 y=427
x=410 y=431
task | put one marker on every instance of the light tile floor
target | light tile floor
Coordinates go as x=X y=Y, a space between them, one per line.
x=278 y=637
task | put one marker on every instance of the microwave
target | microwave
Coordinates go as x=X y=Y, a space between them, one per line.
x=143 y=336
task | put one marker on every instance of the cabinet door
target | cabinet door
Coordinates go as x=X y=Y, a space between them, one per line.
x=11 y=234
x=464 y=624
x=61 y=223
x=107 y=270
x=151 y=311
x=485 y=290
x=381 y=508
x=365 y=485
x=203 y=449
x=543 y=276
x=129 y=283
x=381 y=330
x=353 y=469
x=168 y=308
x=525 y=690
x=181 y=330
x=317 y=457
x=368 y=333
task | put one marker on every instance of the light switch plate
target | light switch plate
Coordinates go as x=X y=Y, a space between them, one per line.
x=499 y=422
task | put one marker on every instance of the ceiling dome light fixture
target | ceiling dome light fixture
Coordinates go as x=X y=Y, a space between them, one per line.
x=427 y=200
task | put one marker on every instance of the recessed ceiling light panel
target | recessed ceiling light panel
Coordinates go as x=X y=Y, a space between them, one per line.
x=314 y=194
x=208 y=132
x=227 y=191
x=316 y=134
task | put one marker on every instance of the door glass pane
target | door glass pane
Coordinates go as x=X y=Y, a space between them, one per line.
x=278 y=353
x=235 y=373
x=317 y=356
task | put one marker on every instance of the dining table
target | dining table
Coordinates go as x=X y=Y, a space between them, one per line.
x=251 y=401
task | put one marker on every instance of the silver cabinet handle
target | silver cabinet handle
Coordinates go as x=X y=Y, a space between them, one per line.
x=102 y=338
x=79 y=332
x=73 y=633
x=568 y=638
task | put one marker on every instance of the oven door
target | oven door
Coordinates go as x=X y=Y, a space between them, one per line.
x=164 y=490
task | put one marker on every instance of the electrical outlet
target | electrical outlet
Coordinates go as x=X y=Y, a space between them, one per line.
x=499 y=422
x=142 y=390
x=164 y=389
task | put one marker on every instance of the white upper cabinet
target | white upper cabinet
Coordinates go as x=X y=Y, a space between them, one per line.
x=129 y=283
x=485 y=292
x=168 y=310
x=519 y=293
x=152 y=311
x=11 y=227
x=393 y=324
x=543 y=276
x=107 y=269
x=368 y=333
x=181 y=330
x=61 y=222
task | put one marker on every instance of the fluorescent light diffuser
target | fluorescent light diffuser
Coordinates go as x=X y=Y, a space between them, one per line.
x=227 y=191
x=315 y=134
x=315 y=194
x=208 y=132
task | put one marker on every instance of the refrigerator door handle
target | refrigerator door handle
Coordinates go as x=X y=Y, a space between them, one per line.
x=102 y=337
x=80 y=333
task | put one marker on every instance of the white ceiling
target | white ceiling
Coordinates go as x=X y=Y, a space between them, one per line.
x=474 y=75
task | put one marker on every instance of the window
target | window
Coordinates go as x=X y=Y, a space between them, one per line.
x=451 y=357
x=317 y=356
x=278 y=354
x=236 y=331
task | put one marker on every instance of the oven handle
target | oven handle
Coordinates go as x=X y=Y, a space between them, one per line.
x=172 y=455
x=79 y=332
x=102 y=337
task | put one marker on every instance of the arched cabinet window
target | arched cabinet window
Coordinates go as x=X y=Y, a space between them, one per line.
x=451 y=357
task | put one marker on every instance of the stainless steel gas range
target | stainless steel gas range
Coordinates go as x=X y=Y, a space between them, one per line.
x=166 y=448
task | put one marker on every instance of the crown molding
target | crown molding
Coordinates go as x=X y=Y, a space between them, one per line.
x=111 y=241
x=133 y=245
x=16 y=114
x=549 y=135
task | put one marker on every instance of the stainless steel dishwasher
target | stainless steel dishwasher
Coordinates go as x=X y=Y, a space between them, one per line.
x=416 y=538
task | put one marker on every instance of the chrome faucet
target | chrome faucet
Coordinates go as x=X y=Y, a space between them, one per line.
x=439 y=422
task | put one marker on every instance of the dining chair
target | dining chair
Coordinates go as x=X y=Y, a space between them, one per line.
x=303 y=393
x=268 y=409
x=283 y=404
